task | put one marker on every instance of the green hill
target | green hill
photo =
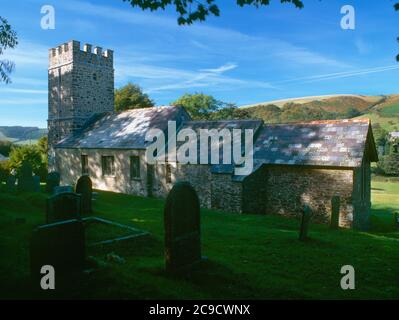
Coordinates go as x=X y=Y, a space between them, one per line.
x=21 y=135
x=382 y=110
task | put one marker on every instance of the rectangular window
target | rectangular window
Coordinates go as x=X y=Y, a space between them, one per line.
x=85 y=164
x=134 y=167
x=107 y=163
x=168 y=175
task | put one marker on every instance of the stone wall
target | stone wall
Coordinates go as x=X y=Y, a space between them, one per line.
x=284 y=189
x=198 y=175
x=226 y=194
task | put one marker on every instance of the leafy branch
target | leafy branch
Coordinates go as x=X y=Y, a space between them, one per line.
x=8 y=39
x=191 y=11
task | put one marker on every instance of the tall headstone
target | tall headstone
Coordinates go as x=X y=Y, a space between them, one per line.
x=60 y=245
x=63 y=206
x=52 y=181
x=26 y=182
x=182 y=228
x=85 y=189
x=305 y=220
x=10 y=183
x=335 y=207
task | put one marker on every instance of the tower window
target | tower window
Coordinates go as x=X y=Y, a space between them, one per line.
x=95 y=76
x=108 y=167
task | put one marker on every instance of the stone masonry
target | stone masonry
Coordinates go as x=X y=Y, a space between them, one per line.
x=81 y=84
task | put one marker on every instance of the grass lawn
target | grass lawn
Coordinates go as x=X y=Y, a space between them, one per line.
x=249 y=256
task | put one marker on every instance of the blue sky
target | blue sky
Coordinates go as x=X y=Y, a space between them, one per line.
x=245 y=56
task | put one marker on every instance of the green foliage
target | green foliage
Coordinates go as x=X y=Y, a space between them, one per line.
x=190 y=11
x=131 y=96
x=33 y=154
x=8 y=39
x=380 y=135
x=5 y=148
x=4 y=170
x=199 y=105
x=389 y=165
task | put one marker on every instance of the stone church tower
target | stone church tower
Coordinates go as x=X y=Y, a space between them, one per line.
x=80 y=84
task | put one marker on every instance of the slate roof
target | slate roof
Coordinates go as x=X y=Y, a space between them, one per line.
x=124 y=130
x=337 y=143
x=254 y=125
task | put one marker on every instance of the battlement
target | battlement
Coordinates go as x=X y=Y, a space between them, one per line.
x=71 y=52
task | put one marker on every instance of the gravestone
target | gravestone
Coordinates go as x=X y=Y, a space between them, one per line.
x=10 y=183
x=61 y=245
x=335 y=206
x=305 y=220
x=52 y=181
x=85 y=189
x=63 y=189
x=25 y=178
x=63 y=206
x=36 y=183
x=182 y=228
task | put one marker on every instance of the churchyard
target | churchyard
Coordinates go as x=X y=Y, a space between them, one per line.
x=245 y=256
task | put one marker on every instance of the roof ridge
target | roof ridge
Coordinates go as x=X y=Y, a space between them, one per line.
x=321 y=122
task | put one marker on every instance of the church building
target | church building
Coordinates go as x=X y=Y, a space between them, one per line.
x=293 y=164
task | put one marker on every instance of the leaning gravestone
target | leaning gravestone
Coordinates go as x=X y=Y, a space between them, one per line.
x=10 y=183
x=26 y=182
x=63 y=189
x=84 y=188
x=63 y=206
x=182 y=228
x=305 y=220
x=36 y=183
x=60 y=245
x=53 y=180
x=335 y=206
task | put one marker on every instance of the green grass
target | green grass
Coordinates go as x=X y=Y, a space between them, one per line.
x=249 y=256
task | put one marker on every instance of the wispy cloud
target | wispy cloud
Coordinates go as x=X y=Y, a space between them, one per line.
x=338 y=75
x=22 y=101
x=23 y=91
x=221 y=69
x=218 y=39
x=28 y=54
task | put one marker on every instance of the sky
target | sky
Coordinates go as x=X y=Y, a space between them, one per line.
x=245 y=56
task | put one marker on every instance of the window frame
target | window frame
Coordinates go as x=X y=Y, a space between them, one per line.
x=104 y=163
x=84 y=164
x=138 y=176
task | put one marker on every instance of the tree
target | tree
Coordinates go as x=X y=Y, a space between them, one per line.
x=190 y=11
x=131 y=96
x=35 y=154
x=8 y=39
x=30 y=153
x=199 y=105
x=42 y=145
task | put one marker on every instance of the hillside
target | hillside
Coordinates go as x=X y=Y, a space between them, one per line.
x=382 y=110
x=21 y=135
